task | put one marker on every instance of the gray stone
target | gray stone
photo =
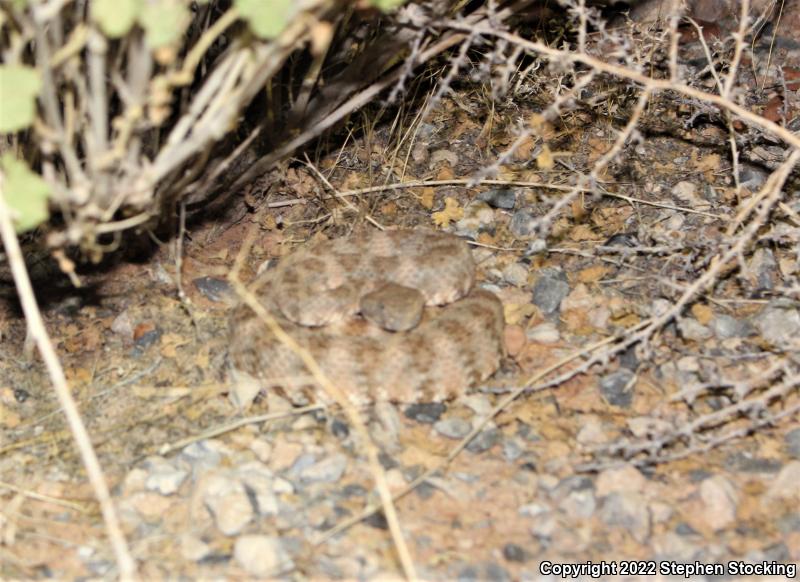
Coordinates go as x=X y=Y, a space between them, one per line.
x=453 y=428
x=752 y=177
x=260 y=484
x=213 y=289
x=301 y=463
x=229 y=504
x=550 y=289
x=478 y=217
x=778 y=323
x=516 y=274
x=725 y=327
x=202 y=456
x=504 y=198
x=579 y=504
x=425 y=412
x=744 y=463
x=789 y=523
x=523 y=225
x=693 y=330
x=512 y=449
x=328 y=470
x=629 y=511
x=792 y=443
x=514 y=553
x=763 y=268
x=163 y=477
x=262 y=556
x=615 y=389
x=484 y=441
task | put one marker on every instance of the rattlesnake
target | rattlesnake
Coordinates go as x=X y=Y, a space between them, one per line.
x=356 y=305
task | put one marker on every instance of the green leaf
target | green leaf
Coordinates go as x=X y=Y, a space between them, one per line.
x=266 y=19
x=25 y=193
x=115 y=17
x=18 y=89
x=164 y=22
x=386 y=5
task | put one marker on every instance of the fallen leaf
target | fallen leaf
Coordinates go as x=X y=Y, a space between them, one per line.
x=582 y=232
x=524 y=151
x=426 y=198
x=445 y=173
x=451 y=212
x=545 y=160
x=592 y=274
x=702 y=313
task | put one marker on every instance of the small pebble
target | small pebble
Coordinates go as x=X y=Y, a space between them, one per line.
x=693 y=330
x=516 y=274
x=484 y=441
x=163 y=477
x=544 y=333
x=616 y=389
x=512 y=449
x=745 y=463
x=792 y=443
x=328 y=470
x=778 y=325
x=229 y=504
x=523 y=225
x=262 y=556
x=453 y=428
x=213 y=289
x=592 y=432
x=784 y=486
x=477 y=403
x=193 y=548
x=503 y=198
x=719 y=501
x=724 y=327
x=789 y=523
x=550 y=289
x=751 y=177
x=763 y=269
x=425 y=412
x=629 y=511
x=579 y=504
x=514 y=553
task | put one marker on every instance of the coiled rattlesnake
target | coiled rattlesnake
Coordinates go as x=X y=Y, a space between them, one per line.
x=356 y=305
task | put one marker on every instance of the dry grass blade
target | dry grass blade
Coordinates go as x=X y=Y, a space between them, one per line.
x=125 y=563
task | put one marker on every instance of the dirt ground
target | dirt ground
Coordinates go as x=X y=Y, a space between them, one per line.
x=683 y=449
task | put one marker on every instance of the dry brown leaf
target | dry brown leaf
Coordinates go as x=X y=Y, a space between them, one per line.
x=702 y=313
x=487 y=239
x=578 y=208
x=450 y=213
x=445 y=173
x=389 y=209
x=592 y=274
x=8 y=418
x=524 y=151
x=707 y=165
x=582 y=232
x=545 y=160
x=426 y=198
